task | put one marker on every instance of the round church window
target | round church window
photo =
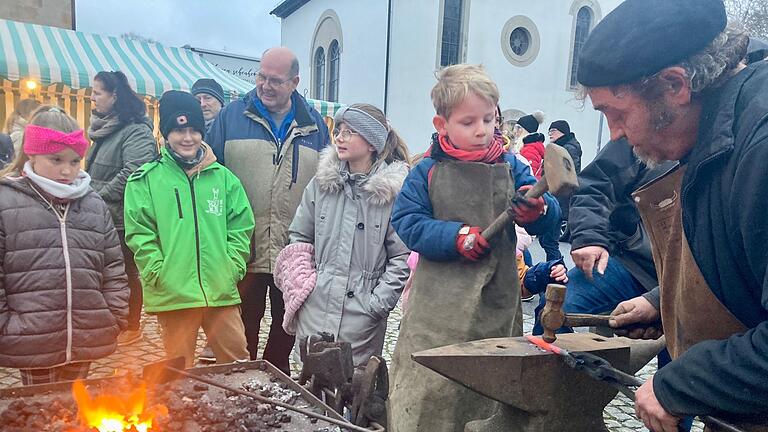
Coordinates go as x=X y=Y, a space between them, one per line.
x=520 y=41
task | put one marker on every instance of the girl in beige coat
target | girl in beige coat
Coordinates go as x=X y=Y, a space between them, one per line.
x=344 y=214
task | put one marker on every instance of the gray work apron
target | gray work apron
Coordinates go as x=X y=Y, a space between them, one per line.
x=690 y=312
x=457 y=301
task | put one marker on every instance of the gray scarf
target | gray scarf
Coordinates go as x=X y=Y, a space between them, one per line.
x=102 y=126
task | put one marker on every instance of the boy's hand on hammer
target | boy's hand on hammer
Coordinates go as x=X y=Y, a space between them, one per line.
x=526 y=210
x=471 y=244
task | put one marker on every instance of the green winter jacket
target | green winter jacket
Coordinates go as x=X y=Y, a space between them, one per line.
x=190 y=233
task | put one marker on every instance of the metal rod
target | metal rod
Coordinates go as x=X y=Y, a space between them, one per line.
x=636 y=382
x=260 y=398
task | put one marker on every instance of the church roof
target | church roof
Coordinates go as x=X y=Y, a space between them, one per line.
x=287 y=7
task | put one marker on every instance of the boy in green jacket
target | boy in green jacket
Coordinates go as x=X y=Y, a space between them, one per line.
x=189 y=224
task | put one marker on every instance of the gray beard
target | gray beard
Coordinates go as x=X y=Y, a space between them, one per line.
x=649 y=161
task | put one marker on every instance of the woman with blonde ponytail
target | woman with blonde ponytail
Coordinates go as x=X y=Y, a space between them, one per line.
x=342 y=227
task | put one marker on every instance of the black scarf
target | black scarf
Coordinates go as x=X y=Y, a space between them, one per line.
x=534 y=137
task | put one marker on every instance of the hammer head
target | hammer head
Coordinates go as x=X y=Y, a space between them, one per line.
x=552 y=316
x=559 y=171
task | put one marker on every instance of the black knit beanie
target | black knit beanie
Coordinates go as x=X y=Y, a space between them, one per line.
x=561 y=125
x=209 y=86
x=179 y=110
x=531 y=121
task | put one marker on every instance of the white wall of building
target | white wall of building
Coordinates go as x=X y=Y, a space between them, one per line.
x=413 y=62
x=364 y=35
x=540 y=85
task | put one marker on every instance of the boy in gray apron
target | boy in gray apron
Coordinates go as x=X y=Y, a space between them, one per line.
x=461 y=290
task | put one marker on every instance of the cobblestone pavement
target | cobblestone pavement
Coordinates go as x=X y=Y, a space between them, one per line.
x=619 y=415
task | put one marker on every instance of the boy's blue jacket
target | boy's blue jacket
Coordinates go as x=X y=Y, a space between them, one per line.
x=436 y=239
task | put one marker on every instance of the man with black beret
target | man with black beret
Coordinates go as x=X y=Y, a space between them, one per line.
x=668 y=77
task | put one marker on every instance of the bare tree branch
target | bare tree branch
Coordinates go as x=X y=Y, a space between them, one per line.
x=752 y=14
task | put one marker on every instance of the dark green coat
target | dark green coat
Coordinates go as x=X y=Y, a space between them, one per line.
x=112 y=159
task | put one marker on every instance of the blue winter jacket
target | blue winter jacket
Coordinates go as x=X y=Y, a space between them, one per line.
x=436 y=239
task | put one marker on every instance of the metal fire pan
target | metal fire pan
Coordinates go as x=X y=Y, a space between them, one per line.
x=232 y=374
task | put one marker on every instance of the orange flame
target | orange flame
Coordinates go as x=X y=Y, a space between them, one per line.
x=116 y=412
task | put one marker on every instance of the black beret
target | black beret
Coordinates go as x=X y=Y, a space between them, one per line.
x=642 y=37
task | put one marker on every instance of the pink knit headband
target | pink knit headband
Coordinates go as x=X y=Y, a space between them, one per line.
x=40 y=140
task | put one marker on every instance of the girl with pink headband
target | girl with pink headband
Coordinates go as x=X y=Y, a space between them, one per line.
x=63 y=289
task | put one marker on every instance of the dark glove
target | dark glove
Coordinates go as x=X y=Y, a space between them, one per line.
x=526 y=210
x=471 y=244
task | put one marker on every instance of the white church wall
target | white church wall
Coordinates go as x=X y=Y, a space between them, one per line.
x=541 y=84
x=363 y=27
x=412 y=70
x=544 y=83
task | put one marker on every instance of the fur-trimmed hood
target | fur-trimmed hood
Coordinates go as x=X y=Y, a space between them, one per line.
x=382 y=184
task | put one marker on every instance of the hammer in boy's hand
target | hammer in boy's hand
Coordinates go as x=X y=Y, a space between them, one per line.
x=559 y=178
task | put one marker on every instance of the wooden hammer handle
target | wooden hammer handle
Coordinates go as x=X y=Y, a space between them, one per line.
x=586 y=320
x=497 y=226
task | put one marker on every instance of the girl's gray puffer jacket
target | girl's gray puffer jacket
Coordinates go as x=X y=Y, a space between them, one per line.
x=63 y=289
x=361 y=262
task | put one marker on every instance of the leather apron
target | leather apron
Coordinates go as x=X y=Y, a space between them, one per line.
x=690 y=312
x=456 y=301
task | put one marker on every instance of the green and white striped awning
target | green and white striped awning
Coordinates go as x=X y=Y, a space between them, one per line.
x=52 y=55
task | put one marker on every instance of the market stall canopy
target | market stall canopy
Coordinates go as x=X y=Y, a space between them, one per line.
x=64 y=62
x=54 y=55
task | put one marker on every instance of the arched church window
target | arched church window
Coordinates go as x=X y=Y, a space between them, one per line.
x=327 y=45
x=583 y=25
x=334 y=53
x=319 y=74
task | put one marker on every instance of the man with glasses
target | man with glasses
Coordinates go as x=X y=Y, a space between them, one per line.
x=271 y=140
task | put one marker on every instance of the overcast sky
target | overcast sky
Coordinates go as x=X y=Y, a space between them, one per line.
x=237 y=26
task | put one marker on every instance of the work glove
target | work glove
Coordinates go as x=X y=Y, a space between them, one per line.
x=471 y=244
x=526 y=210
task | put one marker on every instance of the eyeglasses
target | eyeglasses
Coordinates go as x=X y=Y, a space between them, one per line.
x=499 y=120
x=345 y=134
x=273 y=82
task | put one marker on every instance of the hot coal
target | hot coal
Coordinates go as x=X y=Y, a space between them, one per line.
x=192 y=407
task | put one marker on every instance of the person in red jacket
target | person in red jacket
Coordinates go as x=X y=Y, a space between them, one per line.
x=533 y=143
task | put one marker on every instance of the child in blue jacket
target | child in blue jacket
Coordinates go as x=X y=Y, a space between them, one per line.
x=465 y=287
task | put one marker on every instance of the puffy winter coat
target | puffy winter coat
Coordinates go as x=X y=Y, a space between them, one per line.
x=274 y=174
x=63 y=289
x=112 y=159
x=533 y=152
x=361 y=262
x=190 y=233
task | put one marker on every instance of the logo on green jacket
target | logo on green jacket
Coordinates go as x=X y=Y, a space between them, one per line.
x=216 y=204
